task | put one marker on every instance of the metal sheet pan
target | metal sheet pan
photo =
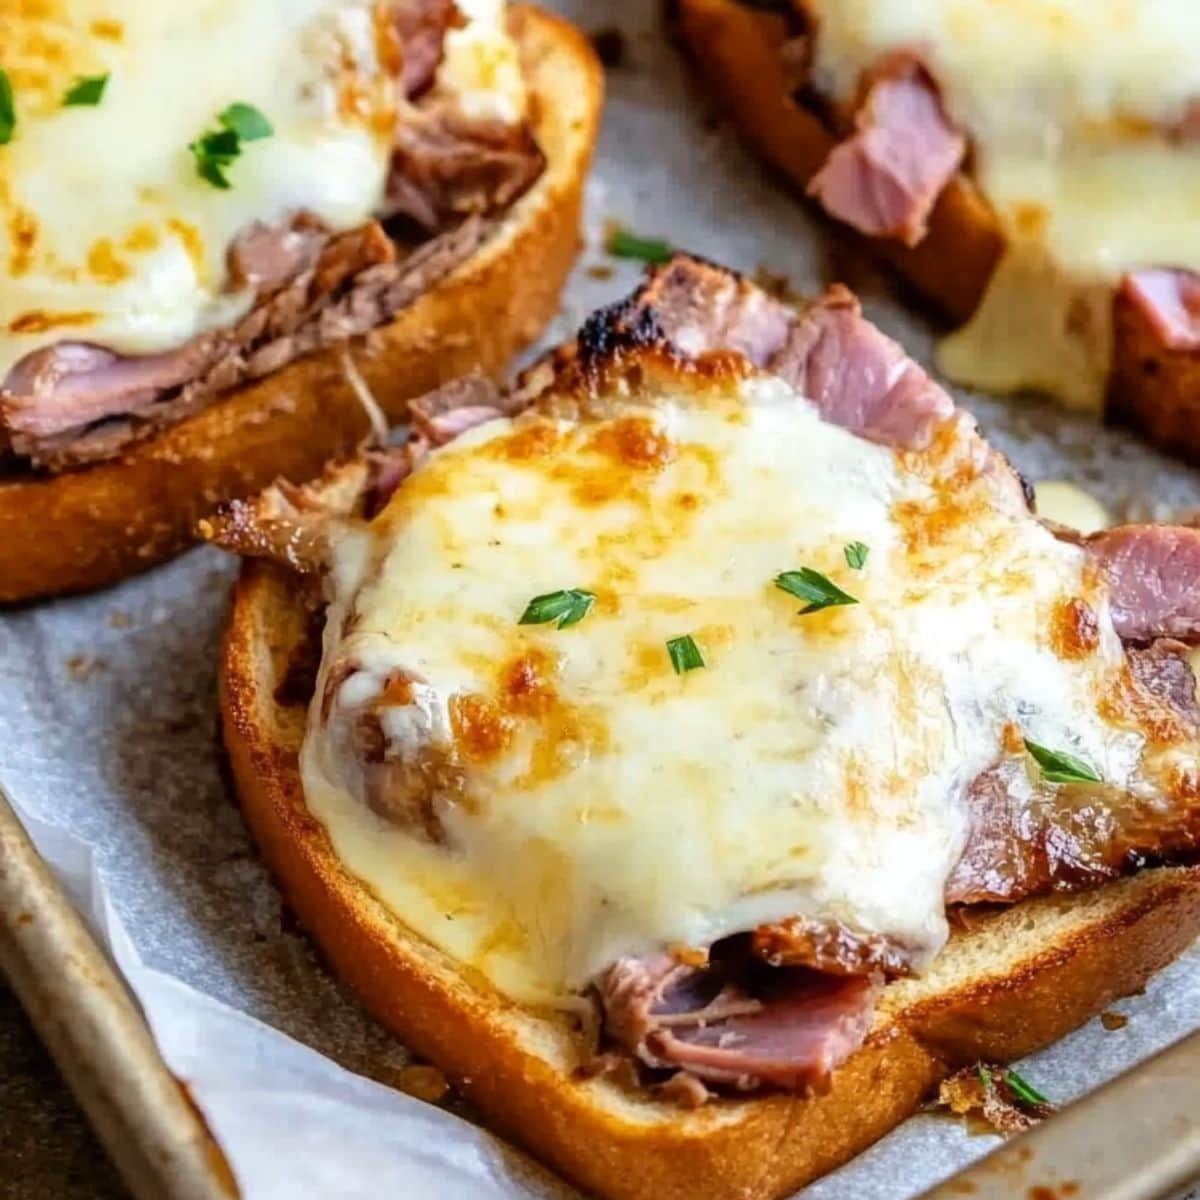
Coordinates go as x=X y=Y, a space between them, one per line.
x=1136 y=1138
x=92 y=1026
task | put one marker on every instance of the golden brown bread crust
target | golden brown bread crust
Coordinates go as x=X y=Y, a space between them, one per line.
x=88 y=527
x=737 y=48
x=1024 y=979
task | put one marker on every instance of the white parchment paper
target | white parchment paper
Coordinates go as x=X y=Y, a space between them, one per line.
x=108 y=744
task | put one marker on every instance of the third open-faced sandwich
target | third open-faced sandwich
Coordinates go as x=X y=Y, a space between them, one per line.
x=1033 y=168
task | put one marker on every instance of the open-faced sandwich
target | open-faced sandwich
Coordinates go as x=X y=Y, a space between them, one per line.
x=219 y=220
x=1032 y=168
x=700 y=748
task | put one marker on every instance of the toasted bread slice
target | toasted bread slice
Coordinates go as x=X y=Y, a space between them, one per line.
x=91 y=526
x=1020 y=980
x=736 y=48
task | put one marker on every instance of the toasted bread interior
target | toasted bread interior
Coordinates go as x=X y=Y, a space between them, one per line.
x=90 y=526
x=1019 y=980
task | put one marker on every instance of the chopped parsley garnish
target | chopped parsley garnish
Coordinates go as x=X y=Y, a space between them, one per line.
x=856 y=554
x=216 y=150
x=1021 y=1089
x=1059 y=767
x=810 y=585
x=566 y=607
x=246 y=121
x=86 y=90
x=8 y=111
x=213 y=153
x=685 y=654
x=623 y=244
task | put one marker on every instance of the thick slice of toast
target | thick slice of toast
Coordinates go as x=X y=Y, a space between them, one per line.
x=737 y=50
x=1018 y=981
x=90 y=526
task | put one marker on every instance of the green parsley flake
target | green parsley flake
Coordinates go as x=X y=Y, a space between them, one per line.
x=856 y=555
x=623 y=244
x=566 y=607
x=685 y=654
x=86 y=90
x=1059 y=767
x=810 y=585
x=246 y=121
x=8 y=111
x=1023 y=1089
x=216 y=150
x=214 y=153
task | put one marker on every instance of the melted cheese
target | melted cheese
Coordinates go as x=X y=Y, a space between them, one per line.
x=1068 y=104
x=816 y=765
x=1067 y=504
x=480 y=65
x=107 y=233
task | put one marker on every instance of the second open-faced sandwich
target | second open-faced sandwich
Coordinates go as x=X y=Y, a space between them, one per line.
x=1032 y=168
x=701 y=748
x=218 y=221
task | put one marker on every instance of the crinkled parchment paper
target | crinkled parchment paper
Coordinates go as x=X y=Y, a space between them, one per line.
x=108 y=732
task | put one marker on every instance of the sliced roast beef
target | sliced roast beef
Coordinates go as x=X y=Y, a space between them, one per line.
x=1027 y=837
x=407 y=787
x=294 y=525
x=831 y=947
x=885 y=178
x=734 y=1025
x=809 y=1024
x=643 y=994
x=700 y=309
x=1153 y=573
x=858 y=377
x=67 y=387
x=1026 y=842
x=441 y=415
x=1163 y=672
x=265 y=257
x=446 y=166
x=1169 y=299
x=50 y=410
x=421 y=26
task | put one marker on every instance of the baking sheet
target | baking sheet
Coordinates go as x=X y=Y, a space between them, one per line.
x=108 y=732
